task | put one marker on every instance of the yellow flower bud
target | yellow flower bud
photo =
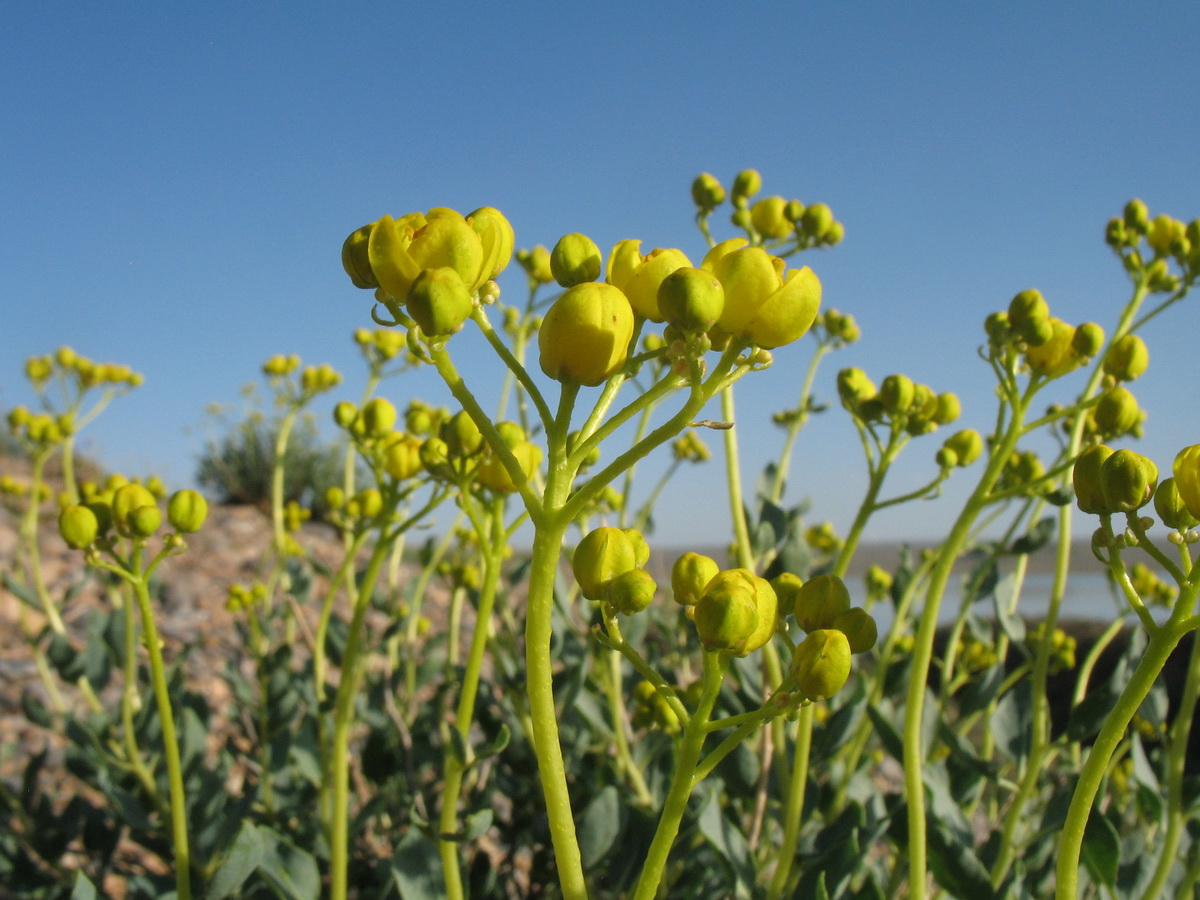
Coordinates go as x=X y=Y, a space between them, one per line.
x=356 y=260
x=761 y=302
x=1186 y=469
x=854 y=387
x=1137 y=217
x=495 y=238
x=78 y=526
x=1056 y=355
x=1088 y=340
x=574 y=260
x=344 y=414
x=369 y=502
x=378 y=416
x=400 y=250
x=746 y=184
x=859 y=627
x=439 y=301
x=819 y=601
x=1085 y=478
x=1029 y=317
x=1162 y=233
x=948 y=409
x=768 y=216
x=1169 y=505
x=585 y=335
x=186 y=511
x=691 y=299
x=144 y=521
x=896 y=393
x=461 y=434
x=821 y=664
x=766 y=604
x=126 y=501
x=631 y=592
x=639 y=277
x=402 y=457
x=641 y=550
x=690 y=576
x=817 y=220
x=1128 y=480
x=1116 y=412
x=727 y=614
x=878 y=581
x=1127 y=358
x=707 y=192
x=493 y=475
x=602 y=555
x=967 y=446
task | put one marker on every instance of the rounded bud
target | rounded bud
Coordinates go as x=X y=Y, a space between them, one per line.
x=996 y=326
x=1128 y=480
x=819 y=601
x=707 y=192
x=769 y=218
x=967 y=446
x=896 y=394
x=948 y=409
x=641 y=550
x=691 y=299
x=370 y=503
x=817 y=220
x=821 y=664
x=78 y=526
x=1088 y=340
x=690 y=575
x=344 y=414
x=126 y=501
x=402 y=457
x=574 y=260
x=186 y=511
x=1029 y=317
x=378 y=416
x=1085 y=477
x=640 y=277
x=1116 y=412
x=461 y=434
x=746 y=184
x=1171 y=509
x=355 y=259
x=727 y=614
x=585 y=335
x=1127 y=358
x=602 y=555
x=144 y=521
x=631 y=592
x=439 y=301
x=1186 y=469
x=766 y=605
x=1137 y=217
x=435 y=458
x=854 y=387
x=859 y=627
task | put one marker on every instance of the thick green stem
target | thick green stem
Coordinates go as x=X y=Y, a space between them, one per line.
x=914 y=753
x=158 y=677
x=1158 y=648
x=795 y=803
x=683 y=781
x=1181 y=729
x=342 y=717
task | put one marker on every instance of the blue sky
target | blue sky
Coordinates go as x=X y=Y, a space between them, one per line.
x=178 y=179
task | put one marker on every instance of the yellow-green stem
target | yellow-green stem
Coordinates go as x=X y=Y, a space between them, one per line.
x=795 y=803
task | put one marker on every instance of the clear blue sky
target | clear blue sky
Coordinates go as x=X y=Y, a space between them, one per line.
x=177 y=180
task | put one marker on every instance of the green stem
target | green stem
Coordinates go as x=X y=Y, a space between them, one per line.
x=1181 y=729
x=179 y=829
x=914 y=758
x=795 y=803
x=342 y=717
x=683 y=781
x=465 y=712
x=1158 y=649
x=733 y=477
